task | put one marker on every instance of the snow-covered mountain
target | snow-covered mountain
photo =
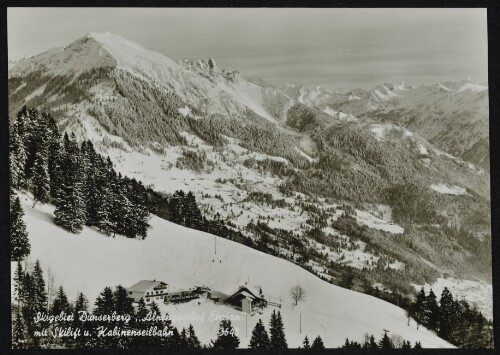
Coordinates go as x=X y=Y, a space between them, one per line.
x=453 y=115
x=201 y=85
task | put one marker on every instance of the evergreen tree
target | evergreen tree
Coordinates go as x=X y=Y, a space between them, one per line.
x=175 y=340
x=176 y=207
x=406 y=345
x=61 y=303
x=417 y=345
x=53 y=154
x=192 y=213
x=431 y=311
x=40 y=300
x=19 y=336
x=159 y=342
x=260 y=338
x=81 y=305
x=41 y=182
x=17 y=155
x=18 y=279
x=140 y=324
x=446 y=312
x=19 y=244
x=278 y=340
x=418 y=308
x=318 y=343
x=373 y=344
x=192 y=340
x=70 y=210
x=386 y=342
x=183 y=339
x=104 y=304
x=305 y=343
x=227 y=338
x=123 y=304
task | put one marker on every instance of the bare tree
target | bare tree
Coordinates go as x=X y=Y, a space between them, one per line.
x=298 y=294
x=397 y=340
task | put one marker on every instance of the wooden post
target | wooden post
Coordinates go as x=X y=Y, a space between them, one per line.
x=300 y=323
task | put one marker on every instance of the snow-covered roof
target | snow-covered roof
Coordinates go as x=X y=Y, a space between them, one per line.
x=251 y=292
x=144 y=285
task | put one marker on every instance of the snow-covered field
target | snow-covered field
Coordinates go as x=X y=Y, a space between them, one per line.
x=448 y=190
x=383 y=224
x=183 y=257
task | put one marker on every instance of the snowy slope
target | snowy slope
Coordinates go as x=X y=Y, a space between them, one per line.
x=182 y=257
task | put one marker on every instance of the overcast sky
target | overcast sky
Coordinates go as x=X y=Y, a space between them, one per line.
x=337 y=48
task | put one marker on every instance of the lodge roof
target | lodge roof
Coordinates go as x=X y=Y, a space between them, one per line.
x=247 y=292
x=144 y=285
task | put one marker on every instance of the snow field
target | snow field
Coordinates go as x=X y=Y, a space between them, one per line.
x=183 y=257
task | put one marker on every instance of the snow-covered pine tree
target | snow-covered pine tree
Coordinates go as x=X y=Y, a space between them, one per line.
x=19 y=243
x=18 y=280
x=40 y=300
x=19 y=336
x=431 y=311
x=70 y=204
x=101 y=208
x=446 y=311
x=176 y=207
x=192 y=213
x=260 y=338
x=54 y=146
x=278 y=340
x=417 y=308
x=41 y=180
x=17 y=155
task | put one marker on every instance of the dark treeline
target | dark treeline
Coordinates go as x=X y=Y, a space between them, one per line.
x=454 y=320
x=80 y=182
x=386 y=342
x=30 y=299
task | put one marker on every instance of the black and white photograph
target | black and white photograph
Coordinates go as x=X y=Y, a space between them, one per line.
x=263 y=178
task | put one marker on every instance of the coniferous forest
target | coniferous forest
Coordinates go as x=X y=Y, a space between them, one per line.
x=81 y=183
